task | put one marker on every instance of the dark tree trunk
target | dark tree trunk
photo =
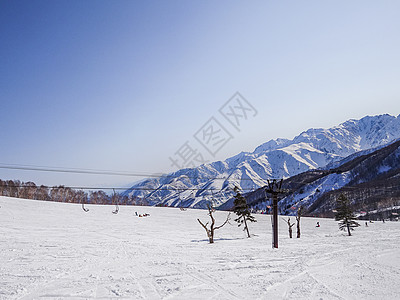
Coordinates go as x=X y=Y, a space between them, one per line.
x=298 y=228
x=247 y=229
x=348 y=228
x=210 y=231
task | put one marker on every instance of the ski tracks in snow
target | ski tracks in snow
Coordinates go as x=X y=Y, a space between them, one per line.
x=54 y=251
x=176 y=278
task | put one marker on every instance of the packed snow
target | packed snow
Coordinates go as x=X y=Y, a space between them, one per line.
x=57 y=251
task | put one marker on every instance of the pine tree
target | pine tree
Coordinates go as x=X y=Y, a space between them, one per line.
x=241 y=209
x=345 y=215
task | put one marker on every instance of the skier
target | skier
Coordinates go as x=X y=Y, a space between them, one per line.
x=317 y=224
x=366 y=224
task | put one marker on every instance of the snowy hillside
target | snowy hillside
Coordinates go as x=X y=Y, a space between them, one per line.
x=280 y=158
x=370 y=179
x=55 y=250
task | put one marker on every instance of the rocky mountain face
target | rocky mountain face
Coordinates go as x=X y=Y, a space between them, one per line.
x=280 y=158
x=371 y=181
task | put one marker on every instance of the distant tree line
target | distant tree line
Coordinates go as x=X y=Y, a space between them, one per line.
x=29 y=190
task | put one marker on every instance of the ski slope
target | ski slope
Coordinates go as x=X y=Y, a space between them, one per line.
x=57 y=251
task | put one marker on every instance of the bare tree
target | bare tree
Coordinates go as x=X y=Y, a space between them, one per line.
x=12 y=187
x=43 y=193
x=98 y=197
x=124 y=200
x=57 y=193
x=3 y=187
x=210 y=230
x=27 y=190
x=94 y=197
x=69 y=195
x=290 y=226
x=299 y=214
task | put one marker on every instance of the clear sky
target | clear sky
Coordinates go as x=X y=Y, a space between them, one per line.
x=122 y=85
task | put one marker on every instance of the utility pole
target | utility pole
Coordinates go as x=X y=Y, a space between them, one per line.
x=274 y=188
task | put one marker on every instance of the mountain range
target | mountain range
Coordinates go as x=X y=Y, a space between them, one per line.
x=370 y=180
x=314 y=149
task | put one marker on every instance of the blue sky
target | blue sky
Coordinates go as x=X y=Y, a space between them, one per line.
x=122 y=85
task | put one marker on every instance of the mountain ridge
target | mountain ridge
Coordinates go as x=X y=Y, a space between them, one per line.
x=370 y=181
x=279 y=158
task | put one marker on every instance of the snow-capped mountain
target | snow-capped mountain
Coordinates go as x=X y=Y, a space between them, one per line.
x=369 y=181
x=280 y=158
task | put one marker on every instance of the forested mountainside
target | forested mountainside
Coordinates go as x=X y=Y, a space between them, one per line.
x=371 y=181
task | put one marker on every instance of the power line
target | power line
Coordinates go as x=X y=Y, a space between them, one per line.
x=77 y=171
x=111 y=173
x=154 y=175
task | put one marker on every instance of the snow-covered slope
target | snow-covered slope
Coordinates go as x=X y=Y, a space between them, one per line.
x=53 y=250
x=369 y=181
x=280 y=158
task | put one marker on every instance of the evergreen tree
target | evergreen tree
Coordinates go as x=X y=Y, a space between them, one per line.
x=241 y=209
x=345 y=215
